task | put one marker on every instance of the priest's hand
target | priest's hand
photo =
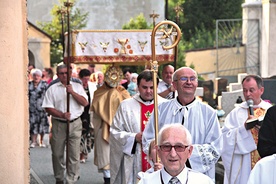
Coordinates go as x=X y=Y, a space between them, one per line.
x=138 y=137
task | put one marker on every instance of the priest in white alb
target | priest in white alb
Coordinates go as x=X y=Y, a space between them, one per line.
x=239 y=143
x=264 y=171
x=199 y=118
x=126 y=156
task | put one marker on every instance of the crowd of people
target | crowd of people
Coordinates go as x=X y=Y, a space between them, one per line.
x=112 y=112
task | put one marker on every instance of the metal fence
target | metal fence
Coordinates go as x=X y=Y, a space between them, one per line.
x=238 y=47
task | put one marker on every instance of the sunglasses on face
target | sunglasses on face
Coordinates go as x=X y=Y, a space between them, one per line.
x=177 y=148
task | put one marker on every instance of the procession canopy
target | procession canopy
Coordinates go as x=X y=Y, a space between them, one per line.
x=119 y=47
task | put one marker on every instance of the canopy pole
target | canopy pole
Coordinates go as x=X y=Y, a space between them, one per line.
x=68 y=4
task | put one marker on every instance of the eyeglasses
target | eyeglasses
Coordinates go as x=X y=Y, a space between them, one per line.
x=185 y=79
x=62 y=73
x=177 y=148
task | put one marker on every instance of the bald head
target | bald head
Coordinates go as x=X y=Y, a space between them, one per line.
x=183 y=70
x=171 y=129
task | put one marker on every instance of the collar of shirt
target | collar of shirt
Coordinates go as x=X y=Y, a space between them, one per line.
x=182 y=176
x=139 y=99
x=178 y=106
x=262 y=104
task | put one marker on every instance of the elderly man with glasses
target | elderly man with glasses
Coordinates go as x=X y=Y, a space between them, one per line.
x=55 y=104
x=174 y=148
x=199 y=118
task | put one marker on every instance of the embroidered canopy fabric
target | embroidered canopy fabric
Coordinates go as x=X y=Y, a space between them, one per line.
x=122 y=47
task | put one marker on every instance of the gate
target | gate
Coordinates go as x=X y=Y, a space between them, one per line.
x=238 y=47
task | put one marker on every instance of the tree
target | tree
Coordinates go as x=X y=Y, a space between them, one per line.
x=78 y=20
x=138 y=22
x=200 y=14
x=198 y=19
x=177 y=17
x=172 y=12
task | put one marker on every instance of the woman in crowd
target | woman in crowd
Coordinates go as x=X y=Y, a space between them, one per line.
x=87 y=128
x=37 y=116
x=48 y=75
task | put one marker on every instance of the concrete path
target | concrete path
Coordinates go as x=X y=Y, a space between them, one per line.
x=42 y=171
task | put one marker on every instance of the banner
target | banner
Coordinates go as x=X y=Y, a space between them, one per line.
x=122 y=47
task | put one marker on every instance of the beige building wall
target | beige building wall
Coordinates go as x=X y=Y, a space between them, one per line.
x=14 y=155
x=39 y=45
x=204 y=62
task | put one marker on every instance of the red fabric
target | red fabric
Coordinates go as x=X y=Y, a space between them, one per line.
x=146 y=111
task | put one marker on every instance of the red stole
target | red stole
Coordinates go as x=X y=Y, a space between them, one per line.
x=255 y=157
x=145 y=115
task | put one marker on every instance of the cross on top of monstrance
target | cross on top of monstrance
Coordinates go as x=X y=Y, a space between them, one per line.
x=61 y=11
x=177 y=10
x=68 y=4
x=154 y=16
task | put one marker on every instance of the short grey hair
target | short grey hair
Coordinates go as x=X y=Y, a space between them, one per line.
x=176 y=126
x=36 y=71
x=60 y=66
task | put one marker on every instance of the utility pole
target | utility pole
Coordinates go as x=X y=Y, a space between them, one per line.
x=166 y=10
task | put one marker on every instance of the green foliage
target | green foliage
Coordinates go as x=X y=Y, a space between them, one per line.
x=197 y=21
x=202 y=38
x=172 y=15
x=181 y=55
x=138 y=22
x=198 y=14
x=172 y=4
x=78 y=20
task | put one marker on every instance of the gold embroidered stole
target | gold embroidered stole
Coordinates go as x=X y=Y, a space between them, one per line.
x=255 y=157
x=145 y=115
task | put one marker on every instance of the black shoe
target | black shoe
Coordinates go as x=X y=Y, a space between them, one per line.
x=59 y=182
x=106 y=180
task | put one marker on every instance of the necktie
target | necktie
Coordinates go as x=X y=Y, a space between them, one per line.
x=174 y=180
x=170 y=95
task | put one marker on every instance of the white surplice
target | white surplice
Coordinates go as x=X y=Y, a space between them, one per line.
x=187 y=176
x=238 y=143
x=124 y=166
x=264 y=171
x=202 y=122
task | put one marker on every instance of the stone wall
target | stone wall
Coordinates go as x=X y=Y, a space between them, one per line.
x=103 y=14
x=14 y=129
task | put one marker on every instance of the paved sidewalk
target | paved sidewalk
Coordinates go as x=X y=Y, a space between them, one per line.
x=42 y=171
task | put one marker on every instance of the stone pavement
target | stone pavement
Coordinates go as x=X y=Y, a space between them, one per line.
x=42 y=172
